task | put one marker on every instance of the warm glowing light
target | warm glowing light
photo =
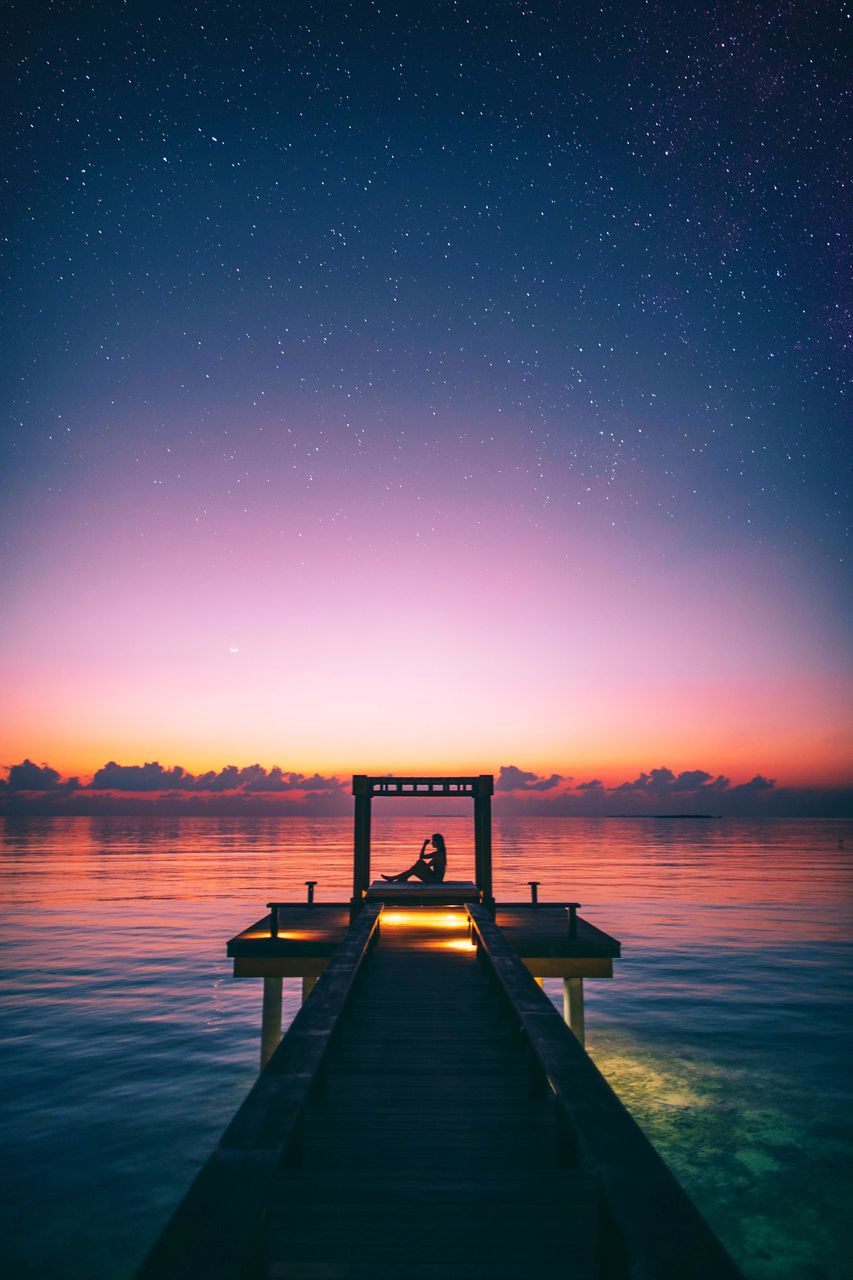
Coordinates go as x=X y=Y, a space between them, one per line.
x=426 y=919
x=289 y=935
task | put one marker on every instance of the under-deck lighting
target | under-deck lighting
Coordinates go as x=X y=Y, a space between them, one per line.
x=288 y=935
x=425 y=919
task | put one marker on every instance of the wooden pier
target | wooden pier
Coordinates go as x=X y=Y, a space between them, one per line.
x=429 y=1114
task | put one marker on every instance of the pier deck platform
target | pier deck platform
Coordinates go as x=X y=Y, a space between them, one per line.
x=310 y=933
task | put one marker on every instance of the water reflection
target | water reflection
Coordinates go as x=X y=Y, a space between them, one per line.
x=128 y=1044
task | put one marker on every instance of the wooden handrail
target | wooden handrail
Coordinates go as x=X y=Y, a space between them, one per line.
x=649 y=1228
x=213 y=1233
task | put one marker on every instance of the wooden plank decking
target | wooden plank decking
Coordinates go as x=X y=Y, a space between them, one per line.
x=429 y=1116
x=427 y=1156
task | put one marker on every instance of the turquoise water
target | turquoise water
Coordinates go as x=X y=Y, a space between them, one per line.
x=127 y=1044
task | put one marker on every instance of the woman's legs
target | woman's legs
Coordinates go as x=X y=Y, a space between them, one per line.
x=420 y=870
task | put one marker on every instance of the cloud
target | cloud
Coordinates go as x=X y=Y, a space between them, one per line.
x=756 y=784
x=277 y=780
x=662 y=783
x=28 y=776
x=318 y=783
x=140 y=777
x=227 y=779
x=251 y=778
x=659 y=791
x=511 y=778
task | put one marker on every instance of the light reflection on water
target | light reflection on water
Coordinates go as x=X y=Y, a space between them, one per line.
x=127 y=1044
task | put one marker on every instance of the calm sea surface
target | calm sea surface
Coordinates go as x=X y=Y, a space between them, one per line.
x=127 y=1044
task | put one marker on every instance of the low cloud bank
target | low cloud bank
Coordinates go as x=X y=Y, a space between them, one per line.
x=151 y=788
x=32 y=788
x=253 y=778
x=662 y=791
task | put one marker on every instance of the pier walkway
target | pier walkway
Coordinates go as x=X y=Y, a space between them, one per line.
x=427 y=1155
x=428 y=1115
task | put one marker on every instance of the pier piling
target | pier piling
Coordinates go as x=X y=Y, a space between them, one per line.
x=573 y=1012
x=270 y=1018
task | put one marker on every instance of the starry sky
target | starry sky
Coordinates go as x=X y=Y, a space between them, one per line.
x=391 y=386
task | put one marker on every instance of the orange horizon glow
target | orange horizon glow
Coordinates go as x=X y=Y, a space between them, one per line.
x=792 y=757
x=786 y=770
x=788 y=763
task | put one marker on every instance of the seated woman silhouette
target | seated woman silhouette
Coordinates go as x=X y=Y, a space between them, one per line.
x=430 y=867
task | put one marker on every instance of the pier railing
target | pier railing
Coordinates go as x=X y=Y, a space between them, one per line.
x=213 y=1233
x=648 y=1227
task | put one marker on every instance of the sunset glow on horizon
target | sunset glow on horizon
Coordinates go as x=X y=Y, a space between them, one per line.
x=466 y=637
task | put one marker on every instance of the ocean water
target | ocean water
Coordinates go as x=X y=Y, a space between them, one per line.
x=127 y=1044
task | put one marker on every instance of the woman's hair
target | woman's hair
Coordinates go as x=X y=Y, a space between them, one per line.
x=438 y=841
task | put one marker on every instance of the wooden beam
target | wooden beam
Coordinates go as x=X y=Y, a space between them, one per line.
x=569 y=966
x=279 y=966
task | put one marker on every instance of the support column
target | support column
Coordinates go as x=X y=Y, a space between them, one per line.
x=483 y=844
x=309 y=982
x=573 y=1006
x=361 y=843
x=478 y=858
x=270 y=1019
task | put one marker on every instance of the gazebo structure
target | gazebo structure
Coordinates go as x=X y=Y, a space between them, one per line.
x=298 y=939
x=480 y=789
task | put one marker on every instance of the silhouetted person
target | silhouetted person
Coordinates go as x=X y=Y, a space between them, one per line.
x=430 y=867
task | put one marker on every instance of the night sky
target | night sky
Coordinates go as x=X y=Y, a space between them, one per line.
x=426 y=387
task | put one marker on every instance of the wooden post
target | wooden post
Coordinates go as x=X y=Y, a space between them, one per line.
x=572 y=914
x=309 y=982
x=477 y=854
x=361 y=841
x=483 y=838
x=573 y=1006
x=270 y=1019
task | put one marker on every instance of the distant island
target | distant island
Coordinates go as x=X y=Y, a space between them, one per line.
x=665 y=815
